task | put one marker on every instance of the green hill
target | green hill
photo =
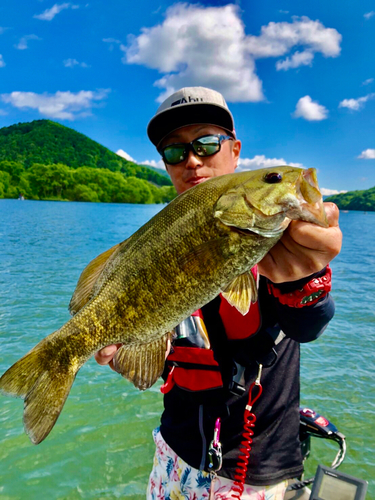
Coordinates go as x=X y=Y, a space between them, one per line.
x=48 y=142
x=46 y=160
x=355 y=200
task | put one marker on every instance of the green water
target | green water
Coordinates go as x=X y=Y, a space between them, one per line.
x=101 y=446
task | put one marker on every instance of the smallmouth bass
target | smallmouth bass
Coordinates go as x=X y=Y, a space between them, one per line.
x=203 y=243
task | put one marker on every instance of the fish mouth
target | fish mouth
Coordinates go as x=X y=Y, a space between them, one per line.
x=266 y=232
x=310 y=200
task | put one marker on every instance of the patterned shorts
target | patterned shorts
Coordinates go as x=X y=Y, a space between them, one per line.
x=173 y=479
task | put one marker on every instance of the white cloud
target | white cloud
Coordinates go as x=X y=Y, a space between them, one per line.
x=149 y=163
x=152 y=163
x=2 y=62
x=368 y=81
x=310 y=110
x=49 y=14
x=367 y=154
x=62 y=105
x=298 y=59
x=197 y=45
x=23 y=43
x=112 y=42
x=208 y=46
x=329 y=192
x=356 y=104
x=70 y=63
x=3 y=112
x=125 y=155
x=368 y=15
x=260 y=161
x=276 y=39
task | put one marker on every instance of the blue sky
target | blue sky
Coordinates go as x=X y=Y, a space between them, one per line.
x=299 y=77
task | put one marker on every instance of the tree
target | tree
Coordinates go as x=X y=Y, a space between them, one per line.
x=49 y=181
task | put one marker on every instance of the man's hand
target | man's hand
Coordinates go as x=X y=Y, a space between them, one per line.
x=105 y=356
x=304 y=249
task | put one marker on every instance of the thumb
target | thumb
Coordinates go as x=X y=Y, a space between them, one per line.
x=332 y=212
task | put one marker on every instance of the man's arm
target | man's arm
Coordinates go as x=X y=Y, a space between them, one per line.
x=307 y=323
x=302 y=254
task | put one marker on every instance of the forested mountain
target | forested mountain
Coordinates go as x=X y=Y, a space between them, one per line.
x=46 y=160
x=355 y=200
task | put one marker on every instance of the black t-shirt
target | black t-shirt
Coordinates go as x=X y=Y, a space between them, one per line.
x=188 y=420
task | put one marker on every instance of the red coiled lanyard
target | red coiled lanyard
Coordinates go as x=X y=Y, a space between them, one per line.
x=247 y=434
x=214 y=454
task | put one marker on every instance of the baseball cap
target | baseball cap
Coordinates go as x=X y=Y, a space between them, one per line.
x=189 y=106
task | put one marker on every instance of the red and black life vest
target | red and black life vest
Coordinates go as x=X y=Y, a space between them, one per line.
x=194 y=364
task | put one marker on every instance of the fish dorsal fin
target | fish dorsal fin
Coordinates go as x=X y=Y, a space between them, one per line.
x=89 y=275
x=142 y=364
x=241 y=292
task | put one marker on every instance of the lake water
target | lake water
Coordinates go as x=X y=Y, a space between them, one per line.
x=101 y=446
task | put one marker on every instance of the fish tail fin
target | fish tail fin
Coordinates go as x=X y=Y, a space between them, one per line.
x=43 y=385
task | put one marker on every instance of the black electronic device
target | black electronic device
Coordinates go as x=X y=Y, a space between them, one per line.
x=329 y=484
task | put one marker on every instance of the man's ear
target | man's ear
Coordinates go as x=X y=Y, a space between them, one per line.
x=236 y=150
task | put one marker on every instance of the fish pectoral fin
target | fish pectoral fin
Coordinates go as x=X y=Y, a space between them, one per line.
x=142 y=364
x=241 y=292
x=86 y=282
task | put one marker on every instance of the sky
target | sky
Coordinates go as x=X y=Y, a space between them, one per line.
x=299 y=77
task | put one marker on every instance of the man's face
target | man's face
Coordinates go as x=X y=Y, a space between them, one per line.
x=196 y=169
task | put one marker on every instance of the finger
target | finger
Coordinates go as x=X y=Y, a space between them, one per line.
x=313 y=237
x=168 y=349
x=105 y=355
x=288 y=261
x=332 y=211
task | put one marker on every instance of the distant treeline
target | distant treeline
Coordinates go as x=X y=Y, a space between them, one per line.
x=47 y=142
x=355 y=200
x=60 y=182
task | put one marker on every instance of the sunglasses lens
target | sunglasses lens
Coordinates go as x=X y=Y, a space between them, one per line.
x=203 y=146
x=175 y=153
x=207 y=146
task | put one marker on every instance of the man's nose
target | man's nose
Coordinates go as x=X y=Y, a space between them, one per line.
x=193 y=161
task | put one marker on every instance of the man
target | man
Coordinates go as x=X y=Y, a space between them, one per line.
x=194 y=132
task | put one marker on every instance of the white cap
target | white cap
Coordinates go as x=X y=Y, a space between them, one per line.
x=190 y=106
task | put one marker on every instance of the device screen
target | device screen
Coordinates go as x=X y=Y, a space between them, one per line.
x=333 y=487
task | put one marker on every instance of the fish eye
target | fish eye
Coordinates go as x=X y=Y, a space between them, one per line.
x=273 y=178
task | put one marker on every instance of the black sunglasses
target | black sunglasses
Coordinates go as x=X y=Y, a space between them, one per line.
x=207 y=145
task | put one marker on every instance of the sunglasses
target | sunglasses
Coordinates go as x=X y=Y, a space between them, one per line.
x=207 y=145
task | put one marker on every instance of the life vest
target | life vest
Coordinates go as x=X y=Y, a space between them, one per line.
x=192 y=364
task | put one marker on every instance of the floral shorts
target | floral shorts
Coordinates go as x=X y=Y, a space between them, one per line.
x=173 y=479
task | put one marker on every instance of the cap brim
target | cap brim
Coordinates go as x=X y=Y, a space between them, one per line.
x=181 y=116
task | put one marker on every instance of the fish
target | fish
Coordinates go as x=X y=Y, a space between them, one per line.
x=203 y=243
